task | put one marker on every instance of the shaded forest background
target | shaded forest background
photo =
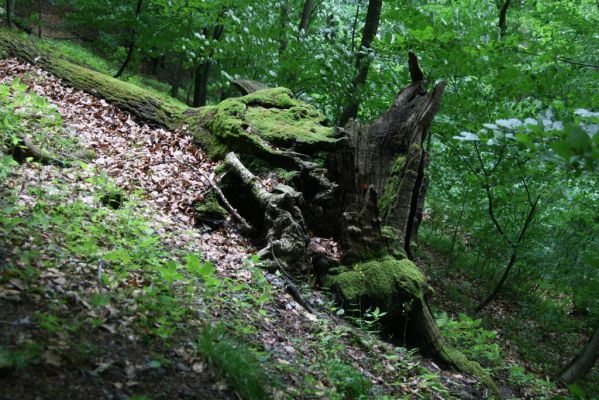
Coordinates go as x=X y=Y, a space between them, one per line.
x=510 y=224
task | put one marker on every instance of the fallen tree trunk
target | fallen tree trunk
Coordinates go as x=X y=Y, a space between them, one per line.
x=368 y=197
x=153 y=109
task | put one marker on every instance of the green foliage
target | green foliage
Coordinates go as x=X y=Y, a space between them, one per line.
x=518 y=120
x=465 y=333
x=23 y=114
x=234 y=361
x=20 y=356
x=349 y=383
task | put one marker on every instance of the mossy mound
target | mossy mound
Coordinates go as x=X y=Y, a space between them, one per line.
x=265 y=123
x=398 y=288
x=210 y=212
x=386 y=283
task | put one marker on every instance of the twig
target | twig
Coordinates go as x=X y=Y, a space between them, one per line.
x=99 y=276
x=17 y=323
x=291 y=288
x=228 y=205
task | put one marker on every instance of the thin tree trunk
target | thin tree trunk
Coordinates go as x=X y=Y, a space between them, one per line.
x=455 y=235
x=583 y=362
x=176 y=82
x=371 y=26
x=131 y=44
x=355 y=28
x=306 y=16
x=9 y=13
x=284 y=21
x=513 y=257
x=39 y=19
x=200 y=94
x=499 y=285
x=503 y=18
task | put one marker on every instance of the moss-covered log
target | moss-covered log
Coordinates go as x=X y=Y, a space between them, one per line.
x=146 y=105
x=269 y=125
x=398 y=288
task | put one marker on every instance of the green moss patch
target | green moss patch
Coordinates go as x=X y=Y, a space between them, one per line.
x=386 y=283
x=264 y=122
x=391 y=189
x=209 y=211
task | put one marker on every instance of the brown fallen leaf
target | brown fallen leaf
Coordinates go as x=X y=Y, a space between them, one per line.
x=53 y=359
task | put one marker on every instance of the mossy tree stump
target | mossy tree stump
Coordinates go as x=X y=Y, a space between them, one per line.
x=369 y=196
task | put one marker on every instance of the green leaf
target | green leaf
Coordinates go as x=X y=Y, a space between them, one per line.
x=577 y=138
x=99 y=300
x=562 y=149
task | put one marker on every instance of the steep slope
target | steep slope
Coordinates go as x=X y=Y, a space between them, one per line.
x=106 y=302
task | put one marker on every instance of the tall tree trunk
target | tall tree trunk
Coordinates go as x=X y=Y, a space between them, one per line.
x=176 y=78
x=583 y=362
x=355 y=28
x=503 y=18
x=284 y=22
x=306 y=16
x=371 y=26
x=202 y=73
x=200 y=94
x=131 y=49
x=9 y=12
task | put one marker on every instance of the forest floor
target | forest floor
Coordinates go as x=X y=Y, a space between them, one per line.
x=524 y=336
x=110 y=289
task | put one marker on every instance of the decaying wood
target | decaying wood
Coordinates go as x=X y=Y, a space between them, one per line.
x=387 y=155
x=286 y=233
x=247 y=86
x=361 y=231
x=247 y=227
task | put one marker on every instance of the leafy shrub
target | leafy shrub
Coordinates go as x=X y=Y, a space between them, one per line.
x=350 y=383
x=466 y=334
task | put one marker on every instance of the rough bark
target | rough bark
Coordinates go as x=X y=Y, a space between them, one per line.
x=583 y=362
x=286 y=234
x=387 y=155
x=306 y=16
x=371 y=26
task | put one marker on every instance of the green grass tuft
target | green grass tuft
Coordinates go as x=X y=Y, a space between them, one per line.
x=235 y=361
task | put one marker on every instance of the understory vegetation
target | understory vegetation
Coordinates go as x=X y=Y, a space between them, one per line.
x=110 y=281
